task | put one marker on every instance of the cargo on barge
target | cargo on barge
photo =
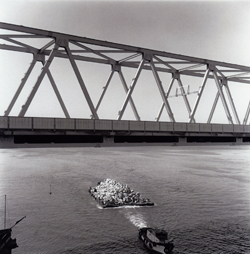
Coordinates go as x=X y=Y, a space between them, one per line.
x=110 y=193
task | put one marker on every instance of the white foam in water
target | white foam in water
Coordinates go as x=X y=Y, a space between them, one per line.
x=136 y=219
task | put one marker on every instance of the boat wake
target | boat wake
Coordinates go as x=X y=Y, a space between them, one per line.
x=136 y=218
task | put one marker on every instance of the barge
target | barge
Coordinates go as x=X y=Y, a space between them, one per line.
x=110 y=193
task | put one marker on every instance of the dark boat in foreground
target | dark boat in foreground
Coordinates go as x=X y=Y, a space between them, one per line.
x=6 y=242
x=156 y=240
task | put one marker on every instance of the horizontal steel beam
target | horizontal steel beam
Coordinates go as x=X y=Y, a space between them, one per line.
x=104 y=61
x=56 y=35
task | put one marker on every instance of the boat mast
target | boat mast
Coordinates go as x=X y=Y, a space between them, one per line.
x=5 y=212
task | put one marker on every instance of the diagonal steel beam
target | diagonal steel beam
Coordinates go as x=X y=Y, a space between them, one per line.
x=20 y=44
x=167 y=94
x=190 y=67
x=230 y=98
x=130 y=90
x=131 y=100
x=80 y=80
x=129 y=64
x=170 y=87
x=183 y=93
x=104 y=90
x=247 y=114
x=199 y=96
x=214 y=104
x=92 y=50
x=238 y=75
x=129 y=57
x=166 y=64
x=229 y=117
x=37 y=57
x=213 y=107
x=51 y=34
x=160 y=113
x=38 y=82
x=65 y=111
x=25 y=78
x=46 y=46
x=163 y=96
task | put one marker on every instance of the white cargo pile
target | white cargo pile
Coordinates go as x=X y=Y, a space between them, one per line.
x=111 y=193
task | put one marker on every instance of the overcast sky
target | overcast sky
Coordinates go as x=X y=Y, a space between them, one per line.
x=216 y=30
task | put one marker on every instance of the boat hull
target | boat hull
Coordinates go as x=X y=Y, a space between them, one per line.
x=6 y=242
x=127 y=204
x=155 y=247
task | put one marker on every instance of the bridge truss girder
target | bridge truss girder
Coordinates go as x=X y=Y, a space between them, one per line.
x=61 y=46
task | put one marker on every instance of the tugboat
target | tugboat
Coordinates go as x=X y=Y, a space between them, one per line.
x=6 y=242
x=156 y=240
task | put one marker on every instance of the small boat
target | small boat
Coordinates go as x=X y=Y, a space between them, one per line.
x=6 y=242
x=156 y=240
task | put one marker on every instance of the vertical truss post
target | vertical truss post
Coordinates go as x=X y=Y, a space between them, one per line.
x=219 y=87
x=39 y=80
x=25 y=78
x=130 y=90
x=104 y=90
x=225 y=83
x=163 y=96
x=80 y=80
x=65 y=111
x=131 y=100
x=184 y=96
x=167 y=94
x=247 y=114
x=199 y=96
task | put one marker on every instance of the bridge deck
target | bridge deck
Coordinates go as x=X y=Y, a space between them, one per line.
x=63 y=130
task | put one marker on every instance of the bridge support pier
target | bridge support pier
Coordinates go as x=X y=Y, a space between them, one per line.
x=239 y=140
x=182 y=141
x=108 y=140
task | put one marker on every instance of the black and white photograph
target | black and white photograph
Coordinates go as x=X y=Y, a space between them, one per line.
x=124 y=127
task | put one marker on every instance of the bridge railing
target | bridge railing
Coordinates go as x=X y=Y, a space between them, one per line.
x=65 y=124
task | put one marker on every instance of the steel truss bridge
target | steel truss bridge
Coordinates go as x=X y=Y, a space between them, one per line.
x=121 y=57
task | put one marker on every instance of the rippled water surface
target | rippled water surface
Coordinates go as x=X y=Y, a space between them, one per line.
x=202 y=197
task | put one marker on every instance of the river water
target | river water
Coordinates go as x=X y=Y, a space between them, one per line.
x=202 y=197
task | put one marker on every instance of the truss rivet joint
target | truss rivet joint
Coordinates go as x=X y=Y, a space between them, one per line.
x=176 y=75
x=64 y=43
x=116 y=67
x=211 y=67
x=147 y=56
x=40 y=58
x=223 y=81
